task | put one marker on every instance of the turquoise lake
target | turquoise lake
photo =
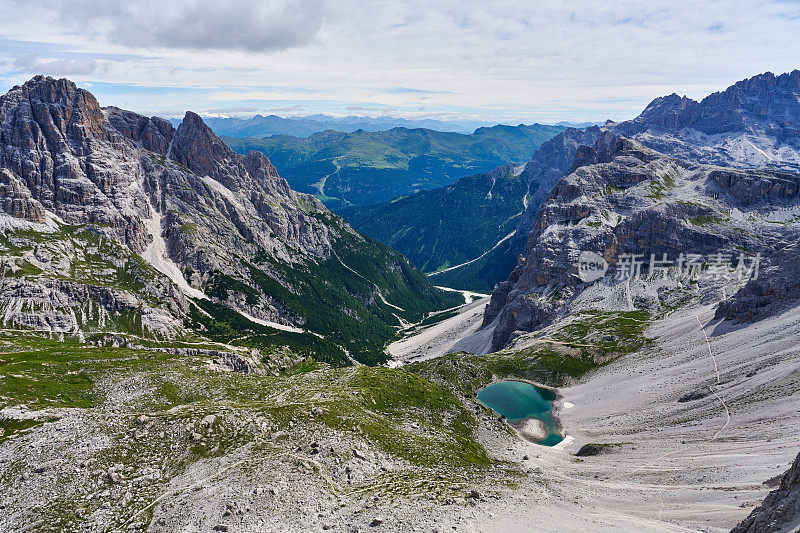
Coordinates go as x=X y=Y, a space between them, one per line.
x=517 y=401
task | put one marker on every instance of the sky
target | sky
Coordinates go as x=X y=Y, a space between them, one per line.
x=499 y=61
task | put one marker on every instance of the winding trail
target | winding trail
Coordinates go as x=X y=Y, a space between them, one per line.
x=448 y=269
x=403 y=323
x=711 y=387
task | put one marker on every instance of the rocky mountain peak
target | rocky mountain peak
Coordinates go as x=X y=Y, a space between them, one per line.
x=665 y=111
x=197 y=148
x=54 y=91
x=622 y=198
x=607 y=146
x=153 y=134
x=753 y=123
x=56 y=110
x=153 y=218
x=789 y=81
x=764 y=102
x=194 y=128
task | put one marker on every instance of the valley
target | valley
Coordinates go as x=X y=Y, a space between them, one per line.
x=188 y=343
x=449 y=228
x=365 y=167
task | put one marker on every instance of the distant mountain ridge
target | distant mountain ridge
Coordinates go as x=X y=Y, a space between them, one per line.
x=362 y=167
x=578 y=125
x=265 y=126
x=428 y=227
x=444 y=227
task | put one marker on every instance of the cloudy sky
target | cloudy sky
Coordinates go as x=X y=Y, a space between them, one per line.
x=499 y=61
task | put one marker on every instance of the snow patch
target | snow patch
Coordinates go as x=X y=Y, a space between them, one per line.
x=156 y=255
x=270 y=324
x=469 y=296
x=223 y=190
x=564 y=443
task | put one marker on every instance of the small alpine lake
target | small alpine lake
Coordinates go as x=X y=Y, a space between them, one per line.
x=527 y=407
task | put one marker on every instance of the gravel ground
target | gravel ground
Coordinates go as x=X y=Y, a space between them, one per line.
x=666 y=465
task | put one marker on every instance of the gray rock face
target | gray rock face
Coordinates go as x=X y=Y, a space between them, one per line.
x=765 y=102
x=776 y=289
x=61 y=153
x=780 y=511
x=55 y=141
x=52 y=287
x=17 y=200
x=752 y=186
x=153 y=133
x=179 y=198
x=623 y=198
x=91 y=165
x=542 y=172
x=753 y=123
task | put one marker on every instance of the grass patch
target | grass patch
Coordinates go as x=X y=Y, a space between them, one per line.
x=400 y=397
x=660 y=186
x=591 y=340
x=706 y=220
x=223 y=324
x=11 y=427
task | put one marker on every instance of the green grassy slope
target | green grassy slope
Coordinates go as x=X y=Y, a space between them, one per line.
x=363 y=168
x=144 y=428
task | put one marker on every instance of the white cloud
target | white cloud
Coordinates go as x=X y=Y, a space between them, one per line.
x=248 y=25
x=234 y=109
x=362 y=108
x=57 y=67
x=286 y=109
x=546 y=61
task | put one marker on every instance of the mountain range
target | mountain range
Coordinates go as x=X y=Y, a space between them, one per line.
x=445 y=227
x=362 y=167
x=190 y=344
x=751 y=124
x=623 y=198
x=423 y=226
x=115 y=222
x=263 y=126
x=658 y=182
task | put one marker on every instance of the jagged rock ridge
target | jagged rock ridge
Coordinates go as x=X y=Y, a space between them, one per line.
x=215 y=223
x=624 y=198
x=753 y=123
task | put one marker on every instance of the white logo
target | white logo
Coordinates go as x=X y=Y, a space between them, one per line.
x=591 y=266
